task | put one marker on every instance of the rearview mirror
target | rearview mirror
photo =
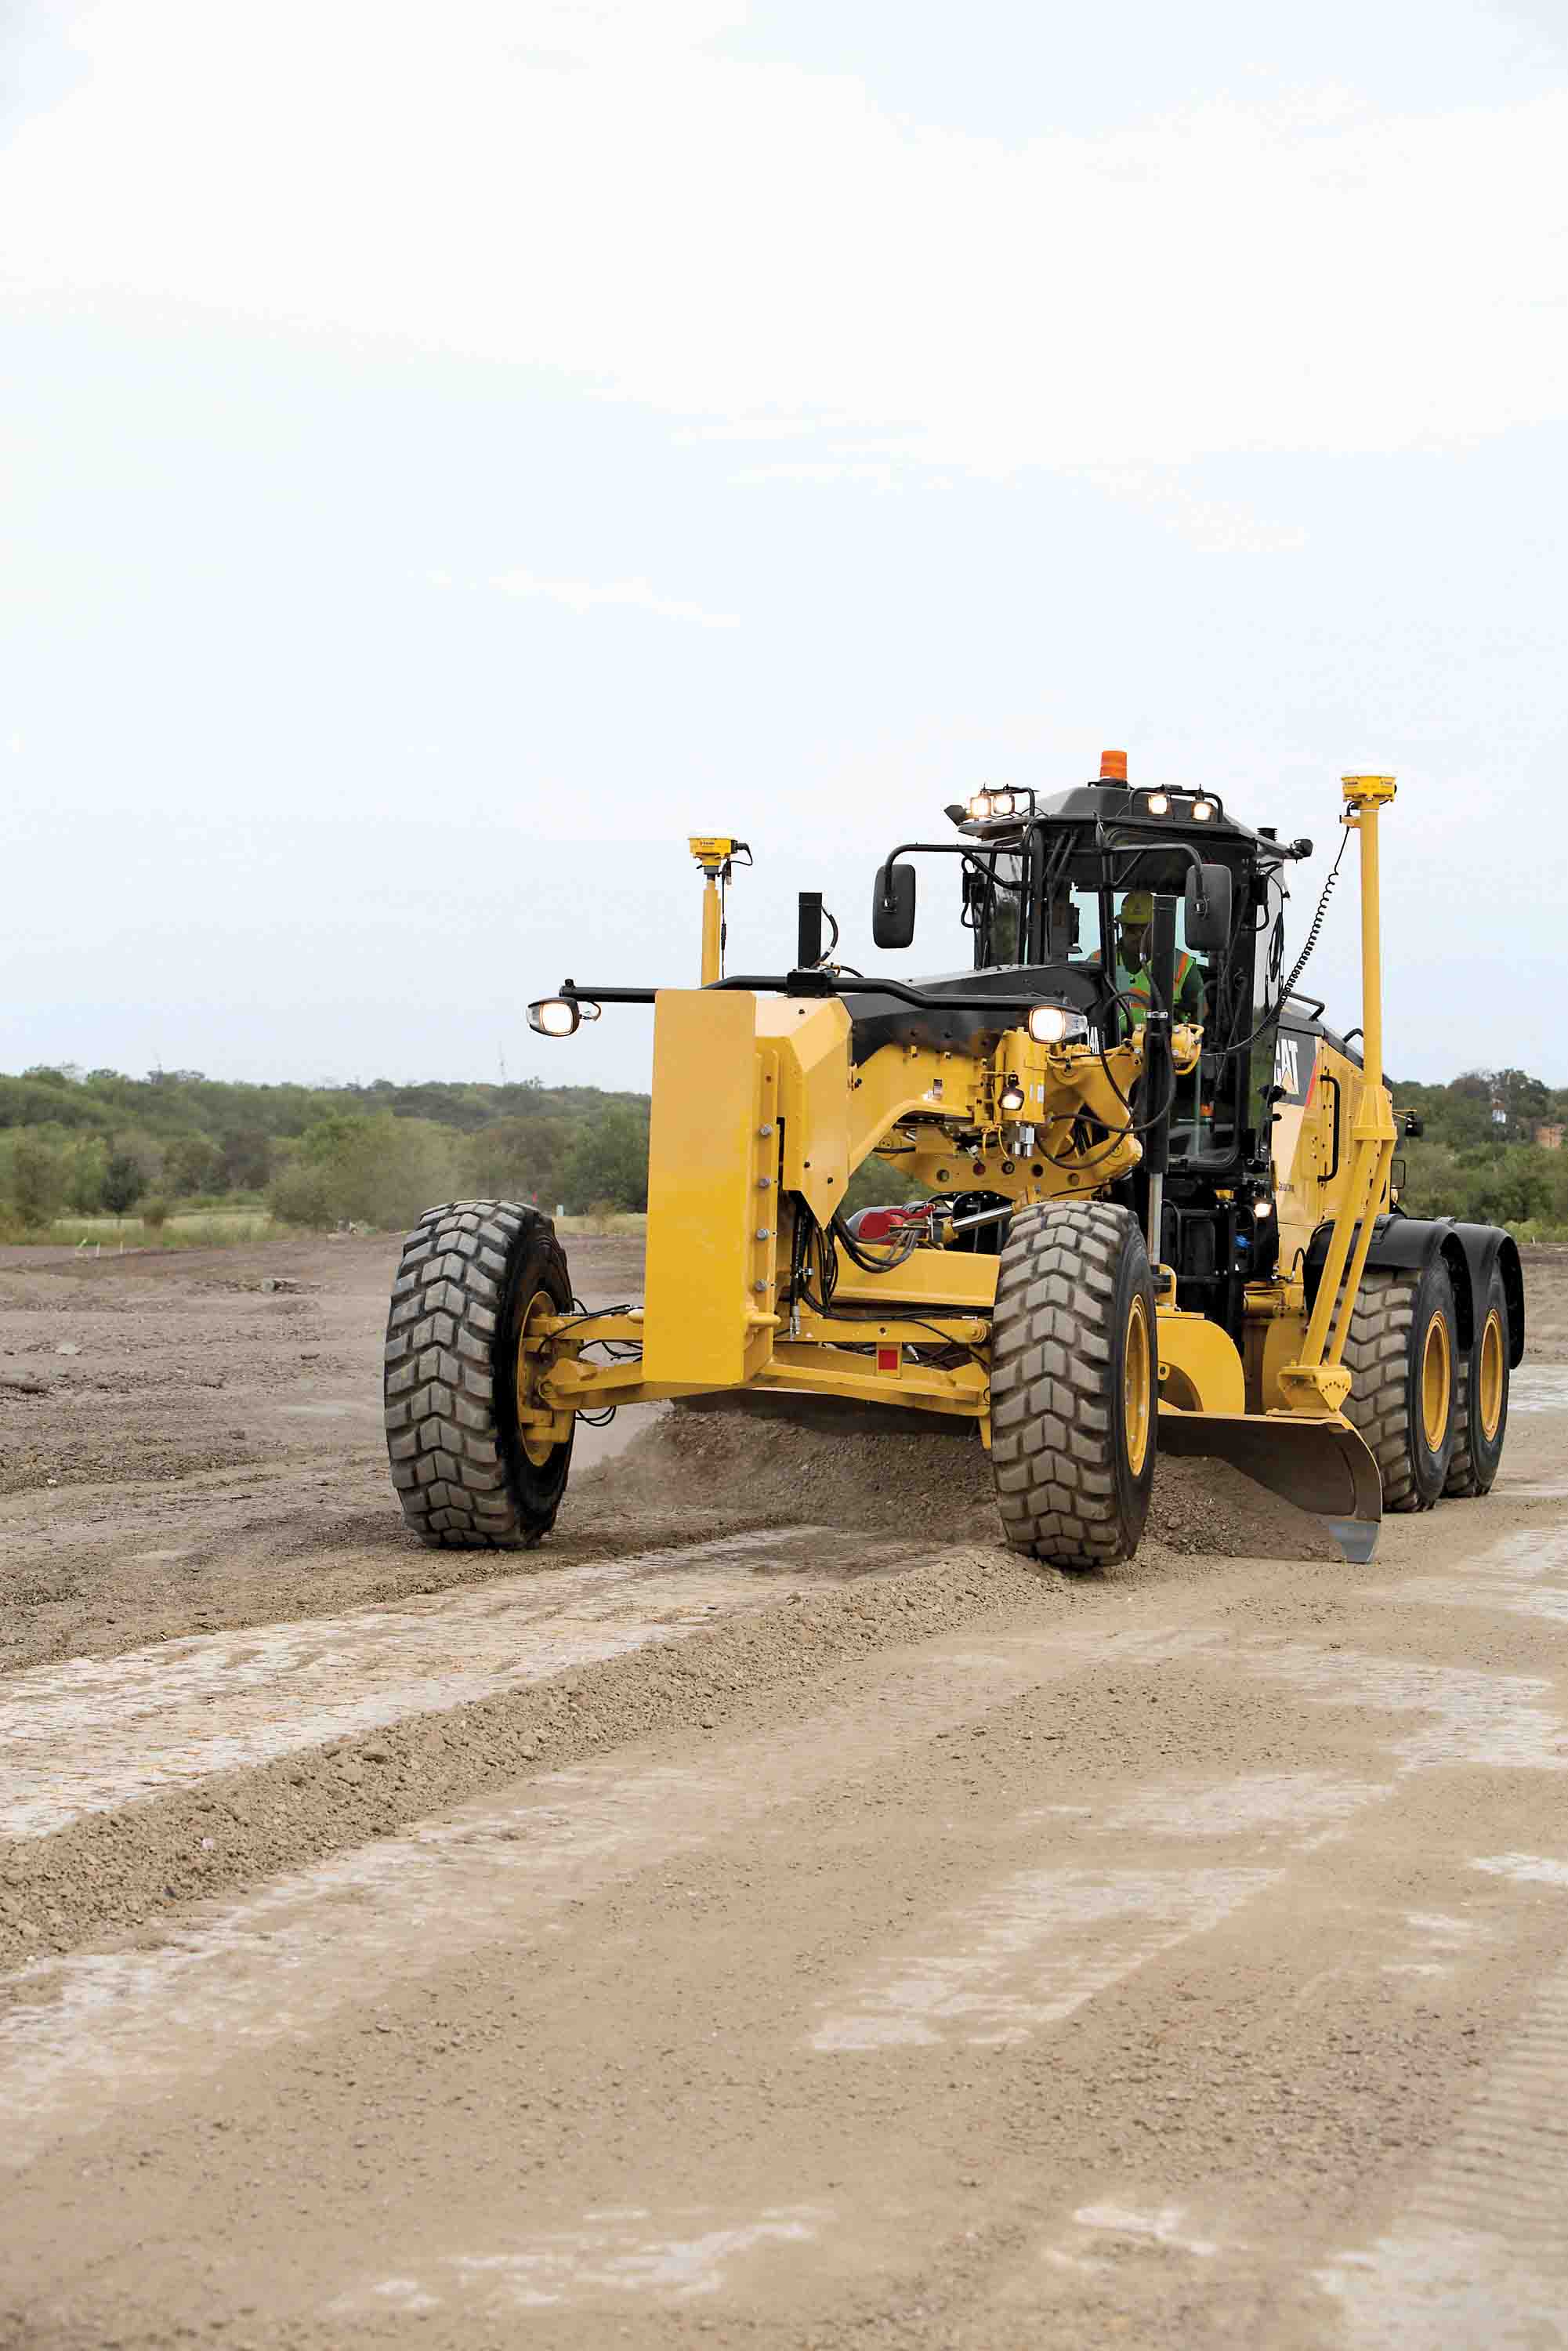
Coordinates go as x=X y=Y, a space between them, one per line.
x=1209 y=909
x=892 y=906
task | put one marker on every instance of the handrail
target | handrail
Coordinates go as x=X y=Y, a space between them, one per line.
x=815 y=983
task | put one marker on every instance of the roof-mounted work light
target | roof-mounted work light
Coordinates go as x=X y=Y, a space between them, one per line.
x=1003 y=801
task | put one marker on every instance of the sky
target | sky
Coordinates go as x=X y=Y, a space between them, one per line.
x=451 y=455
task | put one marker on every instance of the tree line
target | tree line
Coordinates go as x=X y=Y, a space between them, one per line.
x=97 y=1143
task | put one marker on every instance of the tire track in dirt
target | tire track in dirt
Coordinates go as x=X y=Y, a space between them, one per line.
x=96 y=1734
x=1478 y=2255
x=135 y=2024
x=125 y=1868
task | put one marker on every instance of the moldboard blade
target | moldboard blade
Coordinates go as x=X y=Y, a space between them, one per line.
x=1321 y=1465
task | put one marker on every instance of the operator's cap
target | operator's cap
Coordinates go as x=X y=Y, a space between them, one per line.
x=1137 y=906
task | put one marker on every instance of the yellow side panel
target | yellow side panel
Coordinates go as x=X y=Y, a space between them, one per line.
x=705 y=1209
x=948 y=1281
x=1200 y=1370
x=812 y=1033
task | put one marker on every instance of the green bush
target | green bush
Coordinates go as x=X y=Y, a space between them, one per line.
x=519 y=1159
x=609 y=1161
x=191 y=1164
x=377 y=1170
x=302 y=1194
x=124 y=1182
x=37 y=1187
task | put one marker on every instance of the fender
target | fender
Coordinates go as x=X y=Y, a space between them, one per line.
x=1408 y=1244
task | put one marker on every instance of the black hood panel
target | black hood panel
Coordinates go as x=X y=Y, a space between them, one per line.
x=881 y=1021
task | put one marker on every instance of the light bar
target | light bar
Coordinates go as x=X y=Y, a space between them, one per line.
x=1201 y=806
x=1004 y=801
x=1055 y=1024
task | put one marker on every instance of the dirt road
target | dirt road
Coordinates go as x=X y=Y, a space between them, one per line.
x=768 y=1912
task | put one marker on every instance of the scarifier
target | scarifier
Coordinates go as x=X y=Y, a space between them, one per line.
x=1161 y=1211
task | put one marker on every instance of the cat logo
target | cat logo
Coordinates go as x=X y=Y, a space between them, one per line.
x=1292 y=1068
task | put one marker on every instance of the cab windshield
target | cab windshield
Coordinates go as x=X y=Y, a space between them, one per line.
x=1090 y=897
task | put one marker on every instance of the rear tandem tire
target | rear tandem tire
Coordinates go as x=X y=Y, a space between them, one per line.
x=470 y=1272
x=1481 y=1397
x=1401 y=1355
x=1074 y=1385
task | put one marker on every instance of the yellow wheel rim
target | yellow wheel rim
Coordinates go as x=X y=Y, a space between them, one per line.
x=1137 y=1386
x=1437 y=1381
x=1494 y=1359
x=538 y=1443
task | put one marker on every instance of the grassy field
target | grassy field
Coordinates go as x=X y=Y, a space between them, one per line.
x=603 y=1228
x=225 y=1228
x=200 y=1228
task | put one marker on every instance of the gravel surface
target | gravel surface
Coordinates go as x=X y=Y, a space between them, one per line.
x=771 y=1910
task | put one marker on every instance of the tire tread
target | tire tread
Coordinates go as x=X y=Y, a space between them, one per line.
x=443 y=1438
x=1053 y=1443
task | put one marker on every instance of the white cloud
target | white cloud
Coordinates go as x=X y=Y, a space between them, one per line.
x=1209 y=526
x=584 y=596
x=597 y=191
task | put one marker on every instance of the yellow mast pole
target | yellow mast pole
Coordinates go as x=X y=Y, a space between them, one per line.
x=1366 y=795
x=713 y=853
x=1319 y=1381
x=713 y=933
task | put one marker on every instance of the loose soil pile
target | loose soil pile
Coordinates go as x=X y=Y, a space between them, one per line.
x=924 y=1481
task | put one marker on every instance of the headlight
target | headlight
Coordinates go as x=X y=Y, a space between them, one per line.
x=1011 y=1097
x=1202 y=810
x=1053 y=1024
x=981 y=804
x=1002 y=804
x=552 y=1016
x=1158 y=803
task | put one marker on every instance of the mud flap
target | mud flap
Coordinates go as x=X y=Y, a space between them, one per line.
x=1321 y=1465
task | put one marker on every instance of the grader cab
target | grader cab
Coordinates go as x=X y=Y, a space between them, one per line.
x=1158 y=1205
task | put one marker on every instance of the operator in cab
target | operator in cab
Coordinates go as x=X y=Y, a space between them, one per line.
x=1134 y=939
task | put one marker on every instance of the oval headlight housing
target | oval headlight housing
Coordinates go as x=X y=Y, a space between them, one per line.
x=553 y=1015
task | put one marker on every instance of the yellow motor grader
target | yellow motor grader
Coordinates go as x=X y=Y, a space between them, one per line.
x=1159 y=1208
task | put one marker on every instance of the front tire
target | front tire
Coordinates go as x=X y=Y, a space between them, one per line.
x=1481 y=1402
x=1401 y=1355
x=472 y=1275
x=1074 y=1385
